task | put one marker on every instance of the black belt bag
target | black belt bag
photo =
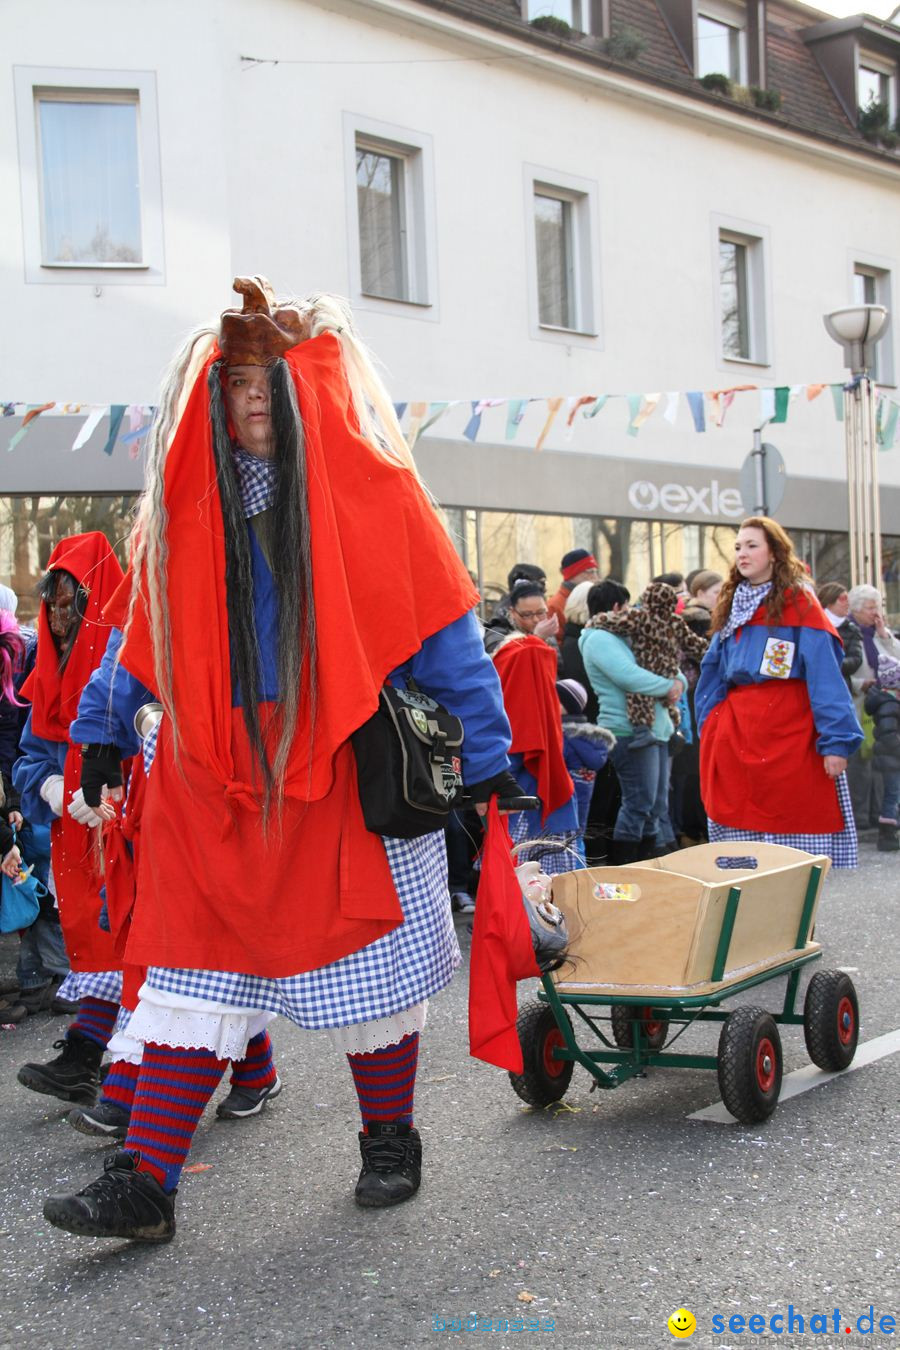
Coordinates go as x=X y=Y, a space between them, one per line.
x=408 y=763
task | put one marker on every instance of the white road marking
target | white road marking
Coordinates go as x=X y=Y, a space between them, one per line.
x=801 y=1080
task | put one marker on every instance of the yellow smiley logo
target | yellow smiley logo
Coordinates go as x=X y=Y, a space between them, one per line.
x=682 y=1323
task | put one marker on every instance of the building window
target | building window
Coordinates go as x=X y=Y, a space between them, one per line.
x=90 y=176
x=390 y=215
x=734 y=291
x=872 y=286
x=381 y=189
x=743 y=333
x=563 y=250
x=721 y=45
x=876 y=82
x=553 y=230
x=584 y=16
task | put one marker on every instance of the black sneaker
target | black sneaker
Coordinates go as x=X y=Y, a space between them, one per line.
x=242 y=1102
x=392 y=1164
x=123 y=1203
x=74 y=1076
x=108 y=1120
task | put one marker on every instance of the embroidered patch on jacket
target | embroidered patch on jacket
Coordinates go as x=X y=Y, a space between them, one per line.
x=778 y=658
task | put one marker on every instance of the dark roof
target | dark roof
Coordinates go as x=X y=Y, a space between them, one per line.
x=807 y=99
x=809 y=104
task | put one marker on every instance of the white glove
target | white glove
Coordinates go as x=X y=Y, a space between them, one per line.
x=81 y=812
x=52 y=793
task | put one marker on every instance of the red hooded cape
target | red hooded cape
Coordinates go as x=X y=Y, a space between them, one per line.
x=759 y=767
x=54 y=699
x=527 y=670
x=502 y=953
x=213 y=891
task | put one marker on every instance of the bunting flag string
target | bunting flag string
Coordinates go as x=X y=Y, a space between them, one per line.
x=129 y=423
x=553 y=407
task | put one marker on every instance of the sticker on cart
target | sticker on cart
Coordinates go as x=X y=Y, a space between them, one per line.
x=614 y=890
x=778 y=658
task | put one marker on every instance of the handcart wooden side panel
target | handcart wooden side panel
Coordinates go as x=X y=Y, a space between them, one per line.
x=655 y=947
x=656 y=927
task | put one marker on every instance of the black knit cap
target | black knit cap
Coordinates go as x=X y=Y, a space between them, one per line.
x=576 y=555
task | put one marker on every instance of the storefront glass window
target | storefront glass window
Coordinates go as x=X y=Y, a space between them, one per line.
x=31 y=527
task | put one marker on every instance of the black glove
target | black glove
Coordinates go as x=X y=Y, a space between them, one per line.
x=501 y=785
x=101 y=765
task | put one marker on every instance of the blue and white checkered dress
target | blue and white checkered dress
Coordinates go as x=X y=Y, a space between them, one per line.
x=405 y=967
x=555 y=852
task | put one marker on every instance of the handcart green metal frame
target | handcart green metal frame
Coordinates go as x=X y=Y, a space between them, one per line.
x=638 y=1030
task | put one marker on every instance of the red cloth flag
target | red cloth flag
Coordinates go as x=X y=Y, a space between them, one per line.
x=502 y=953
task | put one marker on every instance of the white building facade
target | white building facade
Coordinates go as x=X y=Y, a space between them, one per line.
x=520 y=218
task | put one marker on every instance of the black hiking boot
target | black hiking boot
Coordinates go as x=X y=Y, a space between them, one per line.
x=122 y=1203
x=392 y=1164
x=74 y=1076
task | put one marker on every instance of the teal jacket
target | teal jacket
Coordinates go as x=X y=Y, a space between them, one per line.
x=613 y=673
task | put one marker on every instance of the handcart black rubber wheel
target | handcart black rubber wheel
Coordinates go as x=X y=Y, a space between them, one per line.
x=750 y=1064
x=544 y=1079
x=831 y=1019
x=655 y=1029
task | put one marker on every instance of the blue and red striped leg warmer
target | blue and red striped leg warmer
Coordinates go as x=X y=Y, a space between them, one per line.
x=95 y=1021
x=120 y=1083
x=256 y=1070
x=385 y=1081
x=173 y=1087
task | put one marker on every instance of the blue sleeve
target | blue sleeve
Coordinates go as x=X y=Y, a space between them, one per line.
x=616 y=660
x=711 y=686
x=454 y=668
x=839 y=732
x=38 y=760
x=108 y=704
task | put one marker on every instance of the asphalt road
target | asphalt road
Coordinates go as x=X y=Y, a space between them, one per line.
x=590 y=1221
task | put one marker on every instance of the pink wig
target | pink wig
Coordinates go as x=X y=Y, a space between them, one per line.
x=12 y=650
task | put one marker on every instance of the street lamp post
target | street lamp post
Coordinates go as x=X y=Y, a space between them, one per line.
x=858 y=328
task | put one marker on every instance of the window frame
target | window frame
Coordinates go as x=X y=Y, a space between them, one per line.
x=64 y=84
x=729 y=15
x=415 y=150
x=882 y=271
x=883 y=67
x=582 y=196
x=588 y=16
x=759 y=320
